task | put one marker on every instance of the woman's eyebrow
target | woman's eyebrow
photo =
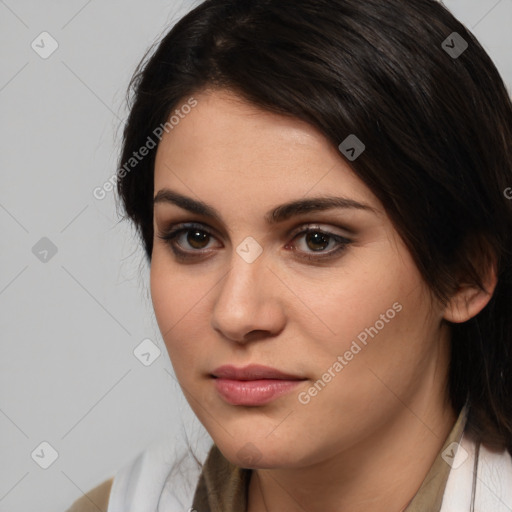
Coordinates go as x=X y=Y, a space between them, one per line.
x=276 y=215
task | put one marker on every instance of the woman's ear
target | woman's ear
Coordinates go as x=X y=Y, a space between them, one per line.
x=468 y=300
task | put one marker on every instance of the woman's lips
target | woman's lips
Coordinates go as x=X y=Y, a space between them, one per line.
x=252 y=372
x=253 y=392
x=252 y=385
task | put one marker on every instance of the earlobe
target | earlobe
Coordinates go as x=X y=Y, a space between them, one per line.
x=469 y=300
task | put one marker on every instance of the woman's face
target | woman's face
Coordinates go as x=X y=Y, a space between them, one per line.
x=348 y=318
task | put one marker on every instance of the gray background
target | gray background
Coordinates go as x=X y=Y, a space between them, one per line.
x=70 y=324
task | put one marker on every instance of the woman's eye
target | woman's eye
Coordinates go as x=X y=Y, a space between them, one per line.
x=315 y=243
x=191 y=241
x=186 y=239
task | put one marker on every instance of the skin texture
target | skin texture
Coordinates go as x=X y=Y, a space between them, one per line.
x=368 y=438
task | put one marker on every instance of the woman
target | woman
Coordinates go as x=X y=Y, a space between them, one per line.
x=320 y=188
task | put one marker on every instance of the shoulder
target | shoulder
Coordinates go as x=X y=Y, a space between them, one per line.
x=95 y=500
x=162 y=476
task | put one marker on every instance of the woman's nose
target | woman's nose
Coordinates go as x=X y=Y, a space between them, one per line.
x=248 y=303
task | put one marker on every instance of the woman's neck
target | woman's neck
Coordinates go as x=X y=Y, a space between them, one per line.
x=382 y=472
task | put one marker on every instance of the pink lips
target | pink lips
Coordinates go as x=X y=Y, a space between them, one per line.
x=252 y=385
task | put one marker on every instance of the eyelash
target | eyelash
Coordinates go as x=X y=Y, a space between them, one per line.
x=170 y=235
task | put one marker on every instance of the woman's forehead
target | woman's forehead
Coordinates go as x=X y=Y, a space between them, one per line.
x=227 y=142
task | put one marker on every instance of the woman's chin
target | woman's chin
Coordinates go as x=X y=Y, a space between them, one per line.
x=258 y=455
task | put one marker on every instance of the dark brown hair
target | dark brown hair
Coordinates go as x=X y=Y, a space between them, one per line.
x=437 y=128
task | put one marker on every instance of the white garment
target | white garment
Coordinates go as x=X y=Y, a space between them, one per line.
x=493 y=490
x=145 y=485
